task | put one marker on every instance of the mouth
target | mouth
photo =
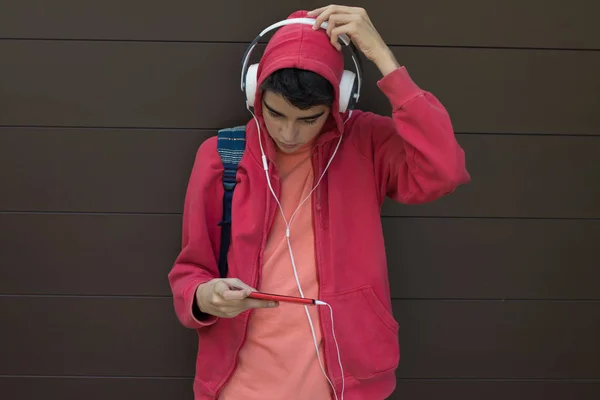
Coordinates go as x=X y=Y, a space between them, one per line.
x=287 y=146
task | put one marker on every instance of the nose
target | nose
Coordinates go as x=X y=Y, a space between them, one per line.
x=288 y=133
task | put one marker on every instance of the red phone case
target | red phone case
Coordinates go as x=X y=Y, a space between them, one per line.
x=278 y=297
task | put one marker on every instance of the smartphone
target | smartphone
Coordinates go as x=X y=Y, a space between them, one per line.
x=289 y=299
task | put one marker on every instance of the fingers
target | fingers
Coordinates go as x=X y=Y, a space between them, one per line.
x=255 y=303
x=324 y=13
x=232 y=295
x=234 y=298
x=317 y=11
x=220 y=287
x=232 y=289
x=231 y=308
x=348 y=30
x=336 y=21
x=236 y=283
x=337 y=16
x=229 y=298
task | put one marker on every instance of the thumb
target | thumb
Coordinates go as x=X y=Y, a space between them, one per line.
x=220 y=287
x=232 y=290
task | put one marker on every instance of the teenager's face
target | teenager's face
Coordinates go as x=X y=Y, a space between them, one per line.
x=290 y=127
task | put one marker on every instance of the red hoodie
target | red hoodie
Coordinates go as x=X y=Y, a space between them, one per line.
x=412 y=157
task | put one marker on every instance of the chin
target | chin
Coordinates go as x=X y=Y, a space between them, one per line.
x=288 y=149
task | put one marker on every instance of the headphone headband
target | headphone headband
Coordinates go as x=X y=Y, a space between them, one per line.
x=344 y=39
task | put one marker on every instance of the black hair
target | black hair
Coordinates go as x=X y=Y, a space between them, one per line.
x=301 y=88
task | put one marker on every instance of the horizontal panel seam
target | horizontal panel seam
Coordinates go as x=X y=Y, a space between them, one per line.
x=516 y=380
x=383 y=217
x=428 y=379
x=398 y=299
x=208 y=129
x=95 y=377
x=263 y=42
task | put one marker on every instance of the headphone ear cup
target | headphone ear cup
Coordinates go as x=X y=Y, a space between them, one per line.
x=251 y=79
x=347 y=84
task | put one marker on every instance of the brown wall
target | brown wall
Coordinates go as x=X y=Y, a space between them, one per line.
x=103 y=105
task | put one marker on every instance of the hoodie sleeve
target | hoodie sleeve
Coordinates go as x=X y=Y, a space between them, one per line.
x=415 y=153
x=196 y=263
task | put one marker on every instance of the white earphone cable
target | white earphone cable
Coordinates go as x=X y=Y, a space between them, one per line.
x=288 y=234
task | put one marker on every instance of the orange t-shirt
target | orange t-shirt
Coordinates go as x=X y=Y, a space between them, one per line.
x=278 y=360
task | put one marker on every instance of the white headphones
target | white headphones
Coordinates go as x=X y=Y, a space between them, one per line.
x=350 y=83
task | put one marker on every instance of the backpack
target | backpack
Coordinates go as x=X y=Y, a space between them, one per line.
x=231 y=143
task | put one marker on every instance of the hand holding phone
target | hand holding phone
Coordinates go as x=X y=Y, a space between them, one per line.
x=228 y=297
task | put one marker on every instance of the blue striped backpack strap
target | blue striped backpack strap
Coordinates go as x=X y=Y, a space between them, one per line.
x=231 y=143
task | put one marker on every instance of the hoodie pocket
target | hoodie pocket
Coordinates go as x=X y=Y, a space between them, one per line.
x=366 y=332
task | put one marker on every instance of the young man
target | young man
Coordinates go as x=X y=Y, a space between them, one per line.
x=327 y=176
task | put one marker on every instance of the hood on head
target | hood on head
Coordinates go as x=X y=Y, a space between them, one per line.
x=299 y=46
